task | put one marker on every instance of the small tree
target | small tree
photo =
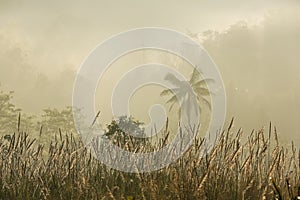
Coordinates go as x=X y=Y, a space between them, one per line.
x=125 y=131
x=53 y=120
x=11 y=119
x=8 y=113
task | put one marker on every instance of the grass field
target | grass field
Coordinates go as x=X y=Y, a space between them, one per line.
x=255 y=167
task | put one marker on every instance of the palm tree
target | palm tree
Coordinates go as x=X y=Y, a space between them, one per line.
x=185 y=91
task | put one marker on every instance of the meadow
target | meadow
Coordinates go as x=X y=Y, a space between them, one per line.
x=240 y=166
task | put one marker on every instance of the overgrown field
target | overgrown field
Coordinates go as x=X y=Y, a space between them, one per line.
x=253 y=168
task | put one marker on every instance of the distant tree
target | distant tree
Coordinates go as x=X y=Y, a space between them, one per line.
x=126 y=131
x=8 y=113
x=185 y=91
x=28 y=123
x=53 y=120
x=11 y=118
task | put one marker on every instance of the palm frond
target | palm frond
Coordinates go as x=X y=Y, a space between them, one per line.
x=203 y=100
x=203 y=82
x=195 y=76
x=201 y=91
x=172 y=99
x=169 y=91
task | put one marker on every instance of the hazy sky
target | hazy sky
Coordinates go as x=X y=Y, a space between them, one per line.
x=59 y=33
x=43 y=43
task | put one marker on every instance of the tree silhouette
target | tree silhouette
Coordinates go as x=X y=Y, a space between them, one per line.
x=126 y=130
x=8 y=113
x=53 y=120
x=185 y=91
x=11 y=119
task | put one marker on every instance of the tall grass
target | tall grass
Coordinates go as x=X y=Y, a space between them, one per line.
x=254 y=168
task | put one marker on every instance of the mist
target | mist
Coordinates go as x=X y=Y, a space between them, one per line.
x=260 y=67
x=256 y=48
